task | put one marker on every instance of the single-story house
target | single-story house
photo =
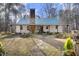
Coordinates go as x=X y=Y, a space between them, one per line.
x=45 y=25
x=33 y=24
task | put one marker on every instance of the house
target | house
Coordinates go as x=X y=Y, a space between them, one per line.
x=26 y=25
x=46 y=25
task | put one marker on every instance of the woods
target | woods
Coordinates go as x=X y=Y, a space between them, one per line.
x=68 y=14
x=27 y=29
x=9 y=12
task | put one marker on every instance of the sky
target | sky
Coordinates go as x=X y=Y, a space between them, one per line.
x=38 y=6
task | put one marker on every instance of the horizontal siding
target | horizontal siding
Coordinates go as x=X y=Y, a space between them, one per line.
x=50 y=29
x=24 y=30
x=17 y=29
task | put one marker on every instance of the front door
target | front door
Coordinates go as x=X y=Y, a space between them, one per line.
x=31 y=28
x=41 y=29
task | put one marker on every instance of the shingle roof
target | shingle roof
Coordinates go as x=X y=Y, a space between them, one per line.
x=23 y=21
x=47 y=21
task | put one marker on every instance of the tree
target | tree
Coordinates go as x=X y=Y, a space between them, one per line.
x=15 y=9
x=49 y=9
x=2 y=14
x=8 y=15
x=66 y=16
x=76 y=15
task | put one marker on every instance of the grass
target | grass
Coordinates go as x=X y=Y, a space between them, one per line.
x=18 y=46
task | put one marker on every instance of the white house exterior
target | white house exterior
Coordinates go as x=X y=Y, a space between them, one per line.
x=49 y=25
x=33 y=24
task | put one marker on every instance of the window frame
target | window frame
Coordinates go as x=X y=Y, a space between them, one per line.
x=21 y=27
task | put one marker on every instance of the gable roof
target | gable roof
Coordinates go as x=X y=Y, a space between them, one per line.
x=23 y=21
x=45 y=21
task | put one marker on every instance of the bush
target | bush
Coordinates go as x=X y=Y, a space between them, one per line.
x=49 y=33
x=2 y=52
x=62 y=35
x=25 y=35
x=69 y=53
x=2 y=33
x=68 y=44
x=69 y=47
x=5 y=33
x=58 y=35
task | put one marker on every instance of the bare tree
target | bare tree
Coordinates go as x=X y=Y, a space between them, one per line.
x=76 y=15
x=66 y=16
x=15 y=9
x=2 y=18
x=49 y=10
x=6 y=10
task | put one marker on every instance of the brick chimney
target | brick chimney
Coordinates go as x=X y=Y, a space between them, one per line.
x=32 y=16
x=32 y=20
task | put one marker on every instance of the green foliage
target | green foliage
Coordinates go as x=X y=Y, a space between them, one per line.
x=69 y=53
x=58 y=35
x=68 y=44
x=69 y=47
x=2 y=52
x=49 y=33
x=26 y=35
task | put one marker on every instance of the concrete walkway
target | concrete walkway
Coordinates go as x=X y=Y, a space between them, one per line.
x=55 y=42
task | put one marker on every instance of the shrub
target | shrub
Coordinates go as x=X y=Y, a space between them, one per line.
x=5 y=33
x=68 y=44
x=2 y=52
x=2 y=33
x=69 y=53
x=62 y=35
x=69 y=47
x=49 y=33
x=26 y=35
x=58 y=35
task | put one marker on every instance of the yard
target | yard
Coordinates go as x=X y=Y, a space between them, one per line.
x=35 y=45
x=42 y=29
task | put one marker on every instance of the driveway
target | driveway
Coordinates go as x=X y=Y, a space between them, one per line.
x=50 y=39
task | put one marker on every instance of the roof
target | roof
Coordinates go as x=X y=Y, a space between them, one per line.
x=23 y=21
x=45 y=21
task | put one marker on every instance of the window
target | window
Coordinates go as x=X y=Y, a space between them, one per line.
x=28 y=27
x=10 y=25
x=47 y=27
x=21 y=27
x=56 y=26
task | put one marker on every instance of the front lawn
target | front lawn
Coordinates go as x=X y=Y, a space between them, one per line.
x=17 y=46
